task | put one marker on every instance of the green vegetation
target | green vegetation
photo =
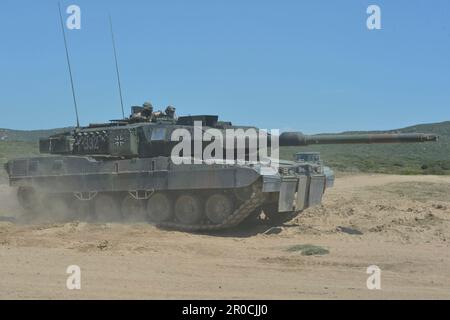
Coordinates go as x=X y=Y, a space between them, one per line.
x=416 y=158
x=308 y=249
x=28 y=136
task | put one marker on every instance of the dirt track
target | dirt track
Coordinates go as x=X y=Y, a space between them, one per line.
x=405 y=221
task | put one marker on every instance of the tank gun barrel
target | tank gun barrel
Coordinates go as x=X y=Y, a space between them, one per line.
x=300 y=139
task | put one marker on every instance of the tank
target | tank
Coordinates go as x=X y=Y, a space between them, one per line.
x=125 y=170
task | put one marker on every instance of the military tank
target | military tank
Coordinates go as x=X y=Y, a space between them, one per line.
x=124 y=170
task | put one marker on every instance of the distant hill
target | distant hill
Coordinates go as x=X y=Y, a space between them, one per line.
x=440 y=128
x=28 y=136
x=414 y=158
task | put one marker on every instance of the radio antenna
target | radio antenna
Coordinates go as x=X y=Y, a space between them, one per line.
x=68 y=65
x=117 y=65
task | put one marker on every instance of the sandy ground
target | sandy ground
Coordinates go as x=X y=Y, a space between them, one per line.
x=404 y=220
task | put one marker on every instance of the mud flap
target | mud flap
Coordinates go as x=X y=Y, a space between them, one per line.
x=316 y=189
x=302 y=193
x=287 y=195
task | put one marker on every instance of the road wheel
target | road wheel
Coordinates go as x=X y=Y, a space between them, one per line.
x=219 y=207
x=188 y=209
x=107 y=209
x=133 y=210
x=159 y=208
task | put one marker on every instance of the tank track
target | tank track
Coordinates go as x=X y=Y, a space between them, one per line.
x=243 y=211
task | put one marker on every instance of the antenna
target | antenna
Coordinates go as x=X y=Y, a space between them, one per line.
x=117 y=65
x=68 y=65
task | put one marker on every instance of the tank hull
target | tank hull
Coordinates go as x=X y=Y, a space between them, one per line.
x=245 y=189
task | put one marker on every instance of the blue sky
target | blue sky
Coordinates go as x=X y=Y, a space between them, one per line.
x=301 y=65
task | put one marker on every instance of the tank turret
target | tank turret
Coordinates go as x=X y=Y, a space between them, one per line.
x=149 y=134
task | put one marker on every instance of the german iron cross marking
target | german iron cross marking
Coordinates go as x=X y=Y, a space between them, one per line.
x=119 y=141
